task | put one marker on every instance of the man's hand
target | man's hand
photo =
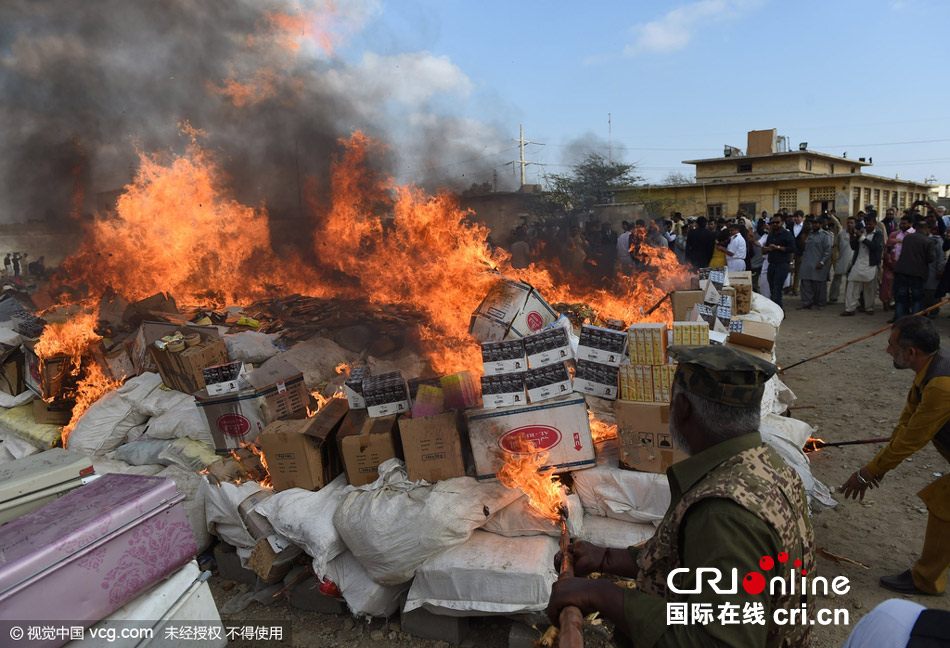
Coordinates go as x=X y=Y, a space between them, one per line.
x=819 y=266
x=858 y=483
x=588 y=596
x=588 y=558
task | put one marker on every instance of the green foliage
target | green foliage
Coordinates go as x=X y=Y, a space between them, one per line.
x=590 y=182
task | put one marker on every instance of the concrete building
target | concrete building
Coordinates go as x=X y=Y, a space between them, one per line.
x=768 y=177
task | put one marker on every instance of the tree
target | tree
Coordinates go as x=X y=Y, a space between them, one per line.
x=590 y=182
x=677 y=178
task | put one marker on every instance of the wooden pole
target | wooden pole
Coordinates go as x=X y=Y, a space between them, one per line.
x=571 y=621
x=863 y=337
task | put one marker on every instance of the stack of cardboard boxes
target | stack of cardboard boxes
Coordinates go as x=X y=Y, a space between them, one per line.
x=600 y=352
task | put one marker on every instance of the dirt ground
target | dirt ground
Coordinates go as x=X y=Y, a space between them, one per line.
x=851 y=394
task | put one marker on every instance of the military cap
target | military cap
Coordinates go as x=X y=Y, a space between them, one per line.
x=722 y=374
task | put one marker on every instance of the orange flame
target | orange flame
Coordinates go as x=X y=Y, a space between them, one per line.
x=599 y=430
x=522 y=470
x=92 y=386
x=266 y=481
x=342 y=368
x=813 y=444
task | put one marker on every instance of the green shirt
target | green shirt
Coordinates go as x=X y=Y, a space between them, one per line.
x=715 y=533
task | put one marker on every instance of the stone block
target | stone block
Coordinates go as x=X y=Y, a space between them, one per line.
x=426 y=625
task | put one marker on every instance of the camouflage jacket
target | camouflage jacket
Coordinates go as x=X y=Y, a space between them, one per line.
x=758 y=480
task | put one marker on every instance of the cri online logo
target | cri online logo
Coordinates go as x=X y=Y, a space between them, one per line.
x=755 y=582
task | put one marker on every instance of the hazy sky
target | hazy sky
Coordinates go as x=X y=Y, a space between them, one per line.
x=681 y=79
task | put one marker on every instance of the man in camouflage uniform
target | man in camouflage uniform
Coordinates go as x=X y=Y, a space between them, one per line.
x=734 y=502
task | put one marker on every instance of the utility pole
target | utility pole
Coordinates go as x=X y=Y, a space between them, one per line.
x=522 y=141
x=610 y=141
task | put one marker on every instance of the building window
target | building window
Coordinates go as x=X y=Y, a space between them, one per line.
x=856 y=199
x=807 y=165
x=877 y=198
x=887 y=197
x=903 y=201
x=867 y=196
x=832 y=168
x=821 y=194
x=788 y=199
x=749 y=209
x=744 y=167
x=714 y=211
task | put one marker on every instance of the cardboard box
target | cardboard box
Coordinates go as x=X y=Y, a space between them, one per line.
x=690 y=333
x=558 y=427
x=504 y=357
x=55 y=413
x=386 y=394
x=303 y=453
x=12 y=370
x=137 y=349
x=596 y=379
x=48 y=381
x=118 y=363
x=364 y=443
x=758 y=353
x=428 y=401
x=741 y=282
x=510 y=310
x=234 y=419
x=459 y=389
x=503 y=391
x=683 y=300
x=648 y=343
x=758 y=335
x=644 y=433
x=550 y=346
x=547 y=382
x=283 y=388
x=184 y=370
x=354 y=387
x=602 y=345
x=662 y=382
x=433 y=446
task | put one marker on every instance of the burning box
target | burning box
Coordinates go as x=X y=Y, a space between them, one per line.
x=55 y=413
x=184 y=370
x=234 y=419
x=596 y=379
x=603 y=345
x=137 y=349
x=559 y=427
x=12 y=370
x=511 y=309
x=645 y=440
x=741 y=282
x=648 y=343
x=354 y=387
x=758 y=335
x=433 y=446
x=364 y=443
x=45 y=382
x=386 y=394
x=503 y=391
x=547 y=382
x=281 y=385
x=690 y=333
x=504 y=357
x=303 y=453
x=459 y=390
x=548 y=347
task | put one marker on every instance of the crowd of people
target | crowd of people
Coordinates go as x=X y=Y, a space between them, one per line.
x=862 y=262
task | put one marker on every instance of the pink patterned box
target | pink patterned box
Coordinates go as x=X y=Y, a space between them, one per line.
x=88 y=553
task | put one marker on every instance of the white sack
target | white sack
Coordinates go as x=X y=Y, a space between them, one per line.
x=189 y=485
x=105 y=466
x=10 y=337
x=489 y=574
x=221 y=511
x=105 y=425
x=628 y=495
x=250 y=346
x=521 y=519
x=607 y=532
x=158 y=401
x=393 y=525
x=788 y=436
x=8 y=401
x=306 y=519
x=182 y=419
x=764 y=309
x=16 y=447
x=363 y=596
x=142 y=452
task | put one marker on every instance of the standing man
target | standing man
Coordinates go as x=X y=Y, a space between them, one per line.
x=816 y=264
x=843 y=263
x=779 y=246
x=915 y=344
x=911 y=270
x=735 y=250
x=624 y=259
x=6 y=264
x=862 y=278
x=795 y=226
x=700 y=243
x=734 y=500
